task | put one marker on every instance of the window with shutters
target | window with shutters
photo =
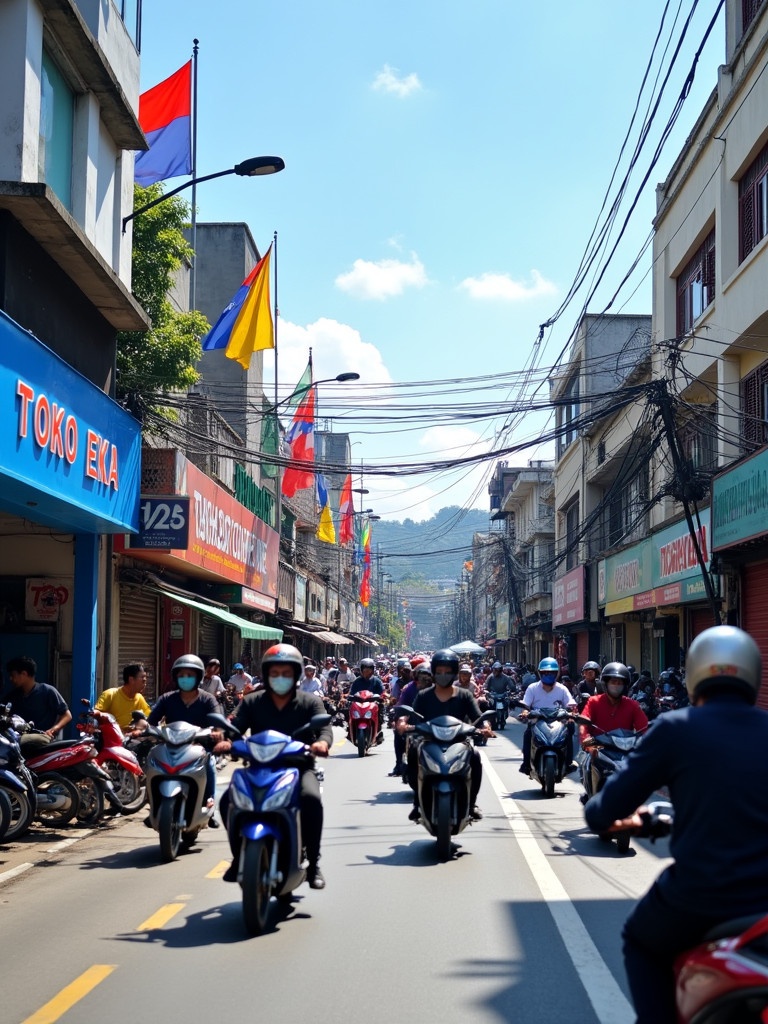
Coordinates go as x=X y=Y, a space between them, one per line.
x=753 y=204
x=698 y=439
x=749 y=9
x=696 y=285
x=754 y=408
x=572 y=524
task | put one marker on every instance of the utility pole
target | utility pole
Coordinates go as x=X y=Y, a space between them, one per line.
x=685 y=489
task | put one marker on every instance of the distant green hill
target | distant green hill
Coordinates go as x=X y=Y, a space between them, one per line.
x=434 y=549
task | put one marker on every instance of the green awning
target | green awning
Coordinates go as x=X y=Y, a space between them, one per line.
x=249 y=630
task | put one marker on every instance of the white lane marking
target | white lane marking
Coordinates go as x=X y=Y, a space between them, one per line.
x=607 y=999
x=69 y=842
x=12 y=872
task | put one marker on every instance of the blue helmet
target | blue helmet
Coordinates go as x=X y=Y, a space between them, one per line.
x=548 y=665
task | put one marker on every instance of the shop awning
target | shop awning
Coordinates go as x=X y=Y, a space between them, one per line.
x=325 y=636
x=248 y=630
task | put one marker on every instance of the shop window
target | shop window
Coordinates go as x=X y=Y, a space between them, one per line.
x=57 y=115
x=696 y=285
x=753 y=204
x=754 y=408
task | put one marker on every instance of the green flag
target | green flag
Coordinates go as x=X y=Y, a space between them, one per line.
x=270 y=440
x=301 y=388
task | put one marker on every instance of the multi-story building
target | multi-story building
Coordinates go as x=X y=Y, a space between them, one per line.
x=69 y=467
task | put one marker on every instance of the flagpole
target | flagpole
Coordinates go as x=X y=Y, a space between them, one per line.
x=193 y=233
x=278 y=478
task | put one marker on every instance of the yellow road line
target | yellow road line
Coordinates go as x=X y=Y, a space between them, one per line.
x=70 y=995
x=162 y=917
x=219 y=870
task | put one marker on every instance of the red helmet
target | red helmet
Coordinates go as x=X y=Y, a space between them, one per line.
x=283 y=654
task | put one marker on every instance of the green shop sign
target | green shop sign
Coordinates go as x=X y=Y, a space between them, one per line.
x=256 y=499
x=740 y=503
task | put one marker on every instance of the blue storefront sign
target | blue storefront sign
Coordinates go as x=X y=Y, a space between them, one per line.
x=163 y=523
x=740 y=502
x=70 y=457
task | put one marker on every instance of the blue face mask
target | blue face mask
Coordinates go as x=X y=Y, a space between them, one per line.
x=187 y=682
x=549 y=678
x=281 y=685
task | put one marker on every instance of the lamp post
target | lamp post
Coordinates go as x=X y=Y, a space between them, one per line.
x=255 y=166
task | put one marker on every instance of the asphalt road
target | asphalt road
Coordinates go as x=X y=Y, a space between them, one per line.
x=522 y=925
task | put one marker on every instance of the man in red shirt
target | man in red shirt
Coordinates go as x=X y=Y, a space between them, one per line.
x=611 y=709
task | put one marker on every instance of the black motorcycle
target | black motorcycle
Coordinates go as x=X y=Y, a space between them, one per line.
x=613 y=748
x=499 y=704
x=550 y=732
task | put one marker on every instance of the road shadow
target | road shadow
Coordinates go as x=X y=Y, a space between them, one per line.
x=421 y=853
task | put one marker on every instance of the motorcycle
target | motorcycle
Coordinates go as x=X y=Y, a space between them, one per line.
x=364 y=720
x=444 y=752
x=499 y=702
x=265 y=810
x=177 y=776
x=121 y=764
x=67 y=769
x=613 y=747
x=550 y=728
x=17 y=785
x=725 y=977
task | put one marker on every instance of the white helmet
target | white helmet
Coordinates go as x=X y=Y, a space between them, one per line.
x=720 y=657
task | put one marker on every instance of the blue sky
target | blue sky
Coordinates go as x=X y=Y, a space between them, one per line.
x=445 y=165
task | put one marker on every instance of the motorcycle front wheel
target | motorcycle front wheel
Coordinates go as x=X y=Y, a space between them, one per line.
x=22 y=814
x=549 y=778
x=257 y=888
x=5 y=814
x=91 y=808
x=443 y=823
x=169 y=830
x=361 y=743
x=130 y=789
x=64 y=797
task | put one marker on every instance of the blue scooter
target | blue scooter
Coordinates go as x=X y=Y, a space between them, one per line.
x=265 y=810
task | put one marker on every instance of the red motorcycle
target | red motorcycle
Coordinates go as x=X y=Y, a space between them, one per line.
x=122 y=765
x=364 y=728
x=723 y=980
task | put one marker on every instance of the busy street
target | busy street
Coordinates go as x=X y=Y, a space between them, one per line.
x=521 y=924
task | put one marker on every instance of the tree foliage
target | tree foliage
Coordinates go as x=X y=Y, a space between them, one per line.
x=390 y=630
x=153 y=364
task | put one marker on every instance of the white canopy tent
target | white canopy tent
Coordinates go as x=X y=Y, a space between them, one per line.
x=467 y=647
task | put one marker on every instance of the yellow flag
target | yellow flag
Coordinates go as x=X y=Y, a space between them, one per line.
x=325 y=528
x=253 y=330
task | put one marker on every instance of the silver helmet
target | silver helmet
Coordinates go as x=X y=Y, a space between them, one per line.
x=723 y=656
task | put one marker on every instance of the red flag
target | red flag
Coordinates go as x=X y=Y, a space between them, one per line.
x=301 y=438
x=165 y=116
x=346 y=510
x=365 y=583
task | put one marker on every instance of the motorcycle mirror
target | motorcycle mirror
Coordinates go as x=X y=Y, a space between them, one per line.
x=223 y=723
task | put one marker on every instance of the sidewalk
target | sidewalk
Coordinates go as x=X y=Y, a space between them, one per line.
x=45 y=845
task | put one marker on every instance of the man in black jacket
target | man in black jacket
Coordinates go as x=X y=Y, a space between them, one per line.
x=720 y=838
x=282 y=707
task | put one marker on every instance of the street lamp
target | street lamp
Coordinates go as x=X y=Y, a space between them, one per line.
x=255 y=166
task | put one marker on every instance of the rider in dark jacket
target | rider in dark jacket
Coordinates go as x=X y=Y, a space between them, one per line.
x=720 y=839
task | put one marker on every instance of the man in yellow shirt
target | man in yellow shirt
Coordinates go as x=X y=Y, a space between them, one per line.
x=121 y=701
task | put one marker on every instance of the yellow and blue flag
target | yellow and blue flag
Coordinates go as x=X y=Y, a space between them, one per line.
x=325 y=530
x=246 y=326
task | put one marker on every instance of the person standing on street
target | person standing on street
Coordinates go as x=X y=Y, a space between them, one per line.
x=122 y=701
x=212 y=681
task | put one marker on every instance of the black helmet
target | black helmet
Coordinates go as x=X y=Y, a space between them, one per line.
x=723 y=657
x=445 y=658
x=192 y=663
x=615 y=670
x=367 y=663
x=590 y=665
x=283 y=654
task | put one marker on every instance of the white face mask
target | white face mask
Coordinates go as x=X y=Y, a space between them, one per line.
x=281 y=685
x=615 y=689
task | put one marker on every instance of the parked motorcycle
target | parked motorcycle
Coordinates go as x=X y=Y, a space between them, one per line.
x=17 y=785
x=550 y=729
x=265 y=810
x=725 y=977
x=364 y=720
x=613 y=747
x=177 y=775
x=119 y=762
x=444 y=752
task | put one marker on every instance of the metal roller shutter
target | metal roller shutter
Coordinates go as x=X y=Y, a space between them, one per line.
x=211 y=644
x=582 y=650
x=699 y=619
x=754 y=597
x=138 y=634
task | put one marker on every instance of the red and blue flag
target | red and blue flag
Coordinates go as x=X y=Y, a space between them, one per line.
x=165 y=116
x=300 y=474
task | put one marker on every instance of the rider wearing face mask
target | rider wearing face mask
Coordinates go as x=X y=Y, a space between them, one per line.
x=612 y=709
x=188 y=703
x=282 y=707
x=445 y=698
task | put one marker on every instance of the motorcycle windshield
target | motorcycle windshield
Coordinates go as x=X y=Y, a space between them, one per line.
x=622 y=739
x=266 y=746
x=178 y=733
x=548 y=733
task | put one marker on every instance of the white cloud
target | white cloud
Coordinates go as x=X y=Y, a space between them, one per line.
x=336 y=348
x=502 y=286
x=382 y=280
x=389 y=80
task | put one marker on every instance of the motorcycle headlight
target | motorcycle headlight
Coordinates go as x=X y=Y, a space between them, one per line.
x=460 y=764
x=430 y=762
x=355 y=714
x=240 y=796
x=369 y=714
x=279 y=798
